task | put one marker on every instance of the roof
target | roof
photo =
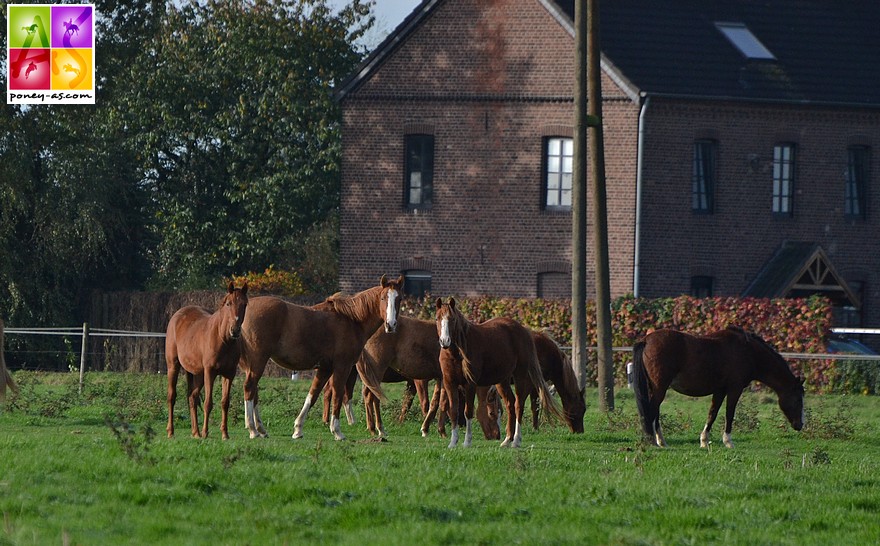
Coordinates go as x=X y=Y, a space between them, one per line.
x=800 y=269
x=824 y=53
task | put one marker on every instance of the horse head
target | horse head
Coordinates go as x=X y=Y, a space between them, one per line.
x=447 y=321
x=234 y=305
x=777 y=375
x=392 y=292
x=791 y=402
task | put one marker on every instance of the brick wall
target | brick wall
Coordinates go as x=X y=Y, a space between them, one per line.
x=488 y=104
x=490 y=101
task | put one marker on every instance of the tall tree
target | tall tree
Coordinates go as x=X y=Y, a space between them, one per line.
x=237 y=130
x=68 y=217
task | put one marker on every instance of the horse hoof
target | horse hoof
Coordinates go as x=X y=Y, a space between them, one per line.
x=297 y=435
x=424 y=434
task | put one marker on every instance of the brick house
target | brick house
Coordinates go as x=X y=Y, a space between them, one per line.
x=738 y=142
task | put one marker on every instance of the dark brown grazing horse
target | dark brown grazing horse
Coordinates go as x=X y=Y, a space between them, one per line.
x=496 y=352
x=720 y=364
x=327 y=337
x=412 y=352
x=205 y=345
x=5 y=377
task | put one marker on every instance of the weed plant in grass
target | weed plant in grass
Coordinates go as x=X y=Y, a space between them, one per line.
x=96 y=469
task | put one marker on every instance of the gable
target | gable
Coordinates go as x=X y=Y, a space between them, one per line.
x=799 y=269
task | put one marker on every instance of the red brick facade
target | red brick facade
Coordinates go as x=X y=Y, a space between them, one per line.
x=489 y=80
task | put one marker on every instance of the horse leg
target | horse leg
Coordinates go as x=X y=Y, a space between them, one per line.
x=321 y=376
x=252 y=420
x=452 y=410
x=209 y=399
x=717 y=398
x=368 y=410
x=421 y=387
x=224 y=407
x=409 y=393
x=432 y=410
x=338 y=382
x=194 y=388
x=173 y=371
x=513 y=436
x=327 y=395
x=349 y=394
x=534 y=398
x=469 y=395
x=732 y=399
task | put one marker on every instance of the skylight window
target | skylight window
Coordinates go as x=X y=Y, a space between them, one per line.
x=742 y=39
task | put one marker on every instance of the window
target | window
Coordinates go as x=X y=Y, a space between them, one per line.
x=783 y=178
x=703 y=200
x=417 y=283
x=554 y=284
x=744 y=41
x=558 y=163
x=419 y=171
x=701 y=286
x=857 y=173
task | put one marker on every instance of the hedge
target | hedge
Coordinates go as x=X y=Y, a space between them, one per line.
x=790 y=325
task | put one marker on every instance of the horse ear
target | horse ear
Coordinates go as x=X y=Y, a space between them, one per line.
x=439 y=303
x=452 y=302
x=231 y=288
x=383 y=281
x=244 y=289
x=400 y=280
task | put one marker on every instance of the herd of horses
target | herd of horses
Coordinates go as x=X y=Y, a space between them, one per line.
x=363 y=335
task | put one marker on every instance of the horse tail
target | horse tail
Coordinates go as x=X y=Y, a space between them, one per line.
x=640 y=389
x=548 y=403
x=366 y=368
x=5 y=376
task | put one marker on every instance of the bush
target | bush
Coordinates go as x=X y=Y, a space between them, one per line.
x=790 y=325
x=272 y=281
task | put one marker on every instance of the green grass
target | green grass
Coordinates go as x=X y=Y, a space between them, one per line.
x=97 y=469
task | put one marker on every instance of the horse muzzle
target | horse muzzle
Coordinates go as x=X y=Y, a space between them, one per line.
x=235 y=333
x=390 y=327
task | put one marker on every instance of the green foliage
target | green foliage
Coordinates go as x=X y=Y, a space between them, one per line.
x=237 y=130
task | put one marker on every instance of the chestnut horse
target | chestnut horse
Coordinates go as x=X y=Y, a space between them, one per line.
x=5 y=377
x=556 y=368
x=720 y=364
x=328 y=337
x=412 y=353
x=494 y=352
x=205 y=345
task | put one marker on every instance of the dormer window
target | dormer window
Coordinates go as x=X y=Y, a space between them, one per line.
x=744 y=41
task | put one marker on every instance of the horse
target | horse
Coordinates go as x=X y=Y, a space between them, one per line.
x=205 y=345
x=720 y=364
x=556 y=368
x=494 y=352
x=411 y=353
x=328 y=337
x=487 y=412
x=6 y=379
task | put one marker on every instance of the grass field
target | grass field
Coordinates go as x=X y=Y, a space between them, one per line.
x=96 y=469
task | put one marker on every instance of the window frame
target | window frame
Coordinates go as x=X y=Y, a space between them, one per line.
x=424 y=145
x=856 y=184
x=417 y=278
x=782 y=201
x=704 y=176
x=560 y=174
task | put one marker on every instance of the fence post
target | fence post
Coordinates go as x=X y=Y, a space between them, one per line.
x=82 y=356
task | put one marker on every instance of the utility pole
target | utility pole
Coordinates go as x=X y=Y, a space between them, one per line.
x=579 y=201
x=600 y=210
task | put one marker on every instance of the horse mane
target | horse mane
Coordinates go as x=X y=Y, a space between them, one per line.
x=569 y=379
x=459 y=337
x=358 y=307
x=752 y=337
